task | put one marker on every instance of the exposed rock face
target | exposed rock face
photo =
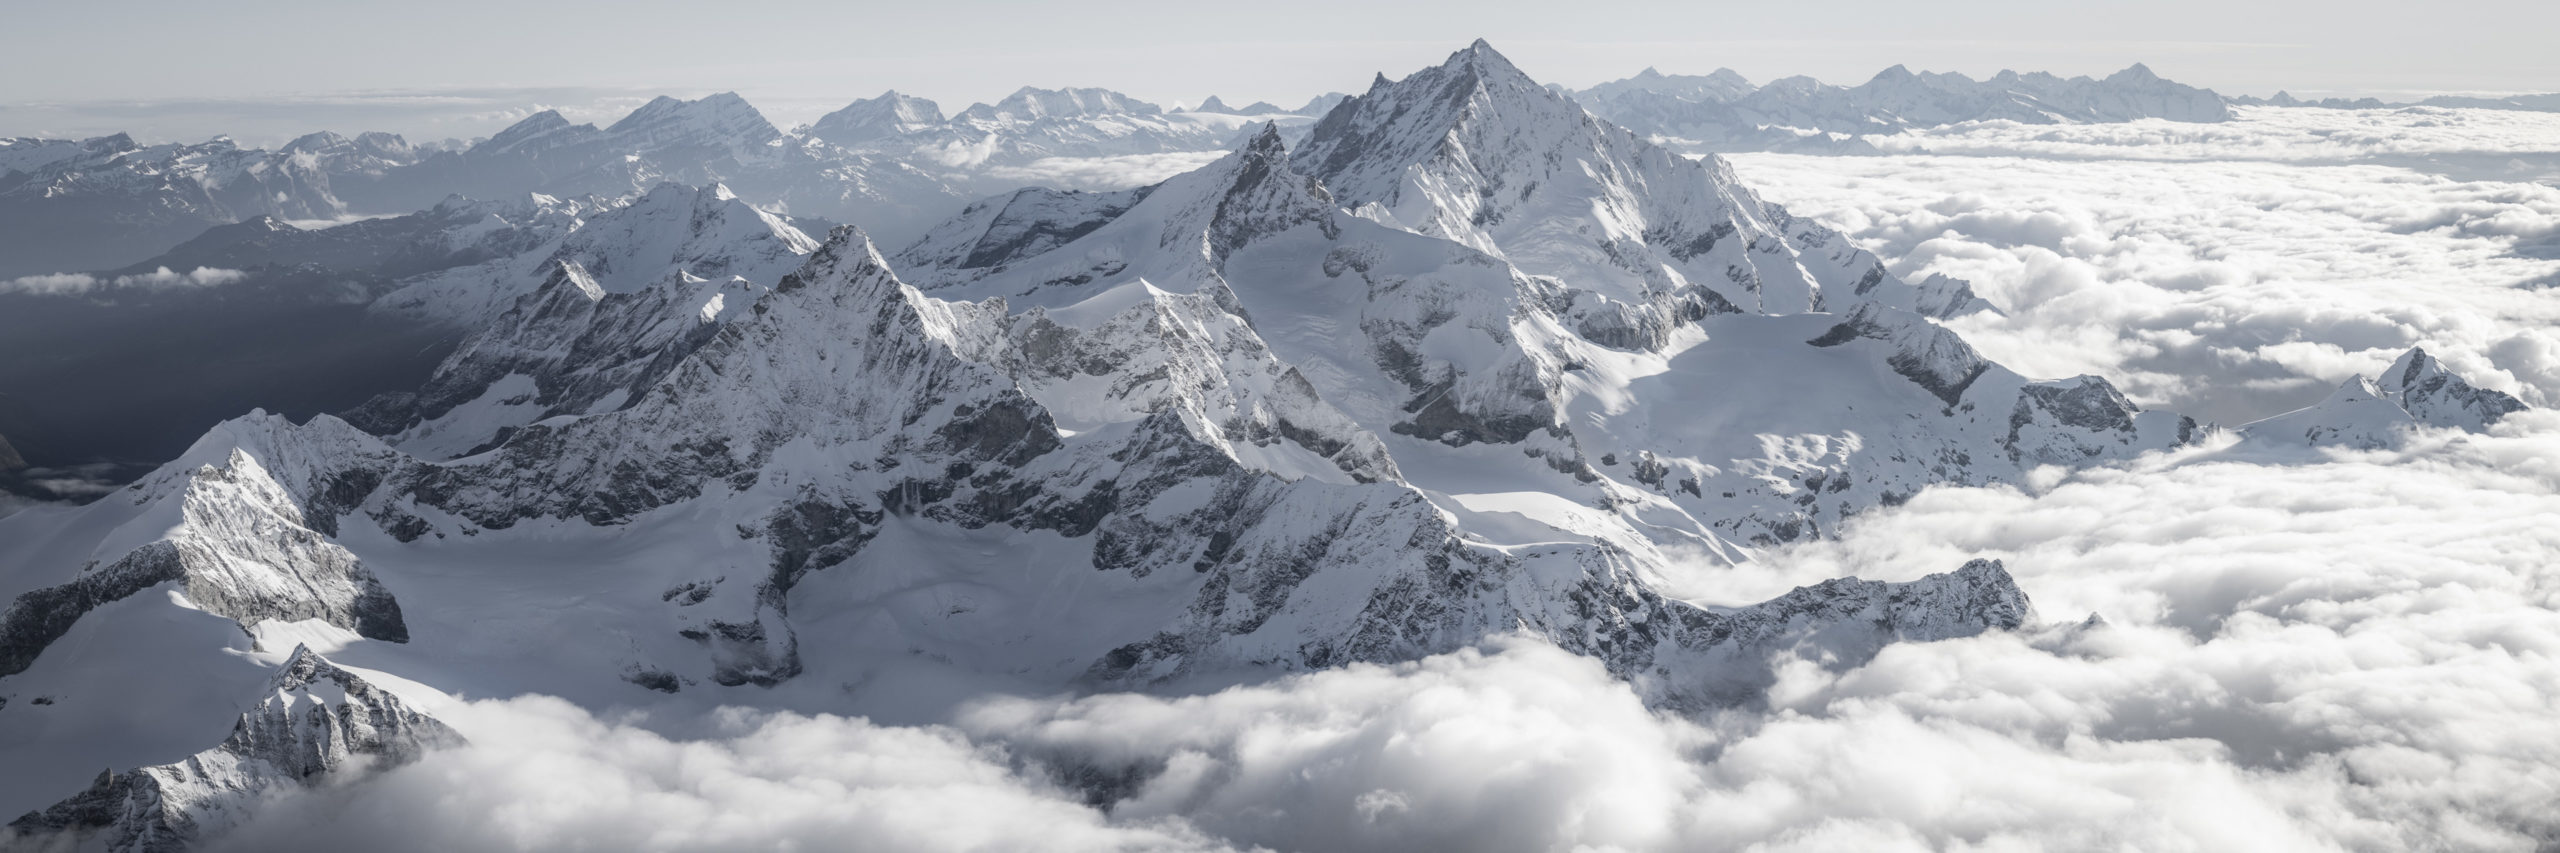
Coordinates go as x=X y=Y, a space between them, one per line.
x=314 y=721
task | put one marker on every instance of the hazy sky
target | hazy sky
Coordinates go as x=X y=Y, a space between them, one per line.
x=186 y=68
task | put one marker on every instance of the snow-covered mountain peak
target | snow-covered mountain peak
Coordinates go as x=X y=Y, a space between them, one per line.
x=721 y=120
x=887 y=116
x=1031 y=103
x=2436 y=395
x=706 y=231
x=1719 y=86
x=2135 y=73
x=533 y=132
x=1474 y=151
x=2372 y=413
x=315 y=720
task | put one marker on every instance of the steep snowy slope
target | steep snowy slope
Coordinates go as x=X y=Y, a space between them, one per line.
x=241 y=524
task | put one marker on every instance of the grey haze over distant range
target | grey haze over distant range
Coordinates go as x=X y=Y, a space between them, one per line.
x=292 y=66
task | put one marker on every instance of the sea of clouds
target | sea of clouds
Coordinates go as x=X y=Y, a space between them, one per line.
x=2230 y=271
x=2239 y=647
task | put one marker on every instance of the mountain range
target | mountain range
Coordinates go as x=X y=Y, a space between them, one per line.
x=1460 y=359
x=1724 y=111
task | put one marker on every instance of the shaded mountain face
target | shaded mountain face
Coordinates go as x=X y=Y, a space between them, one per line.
x=1724 y=112
x=134 y=364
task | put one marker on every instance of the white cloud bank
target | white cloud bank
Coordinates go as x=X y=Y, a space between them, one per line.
x=1101 y=173
x=2280 y=134
x=73 y=284
x=2229 y=289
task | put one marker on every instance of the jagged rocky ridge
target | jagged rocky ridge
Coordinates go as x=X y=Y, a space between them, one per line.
x=315 y=721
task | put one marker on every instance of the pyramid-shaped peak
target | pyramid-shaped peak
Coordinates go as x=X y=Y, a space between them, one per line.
x=2412 y=363
x=1481 y=58
x=303 y=667
x=2433 y=393
x=847 y=254
x=1897 y=72
x=2136 y=72
x=1267 y=141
